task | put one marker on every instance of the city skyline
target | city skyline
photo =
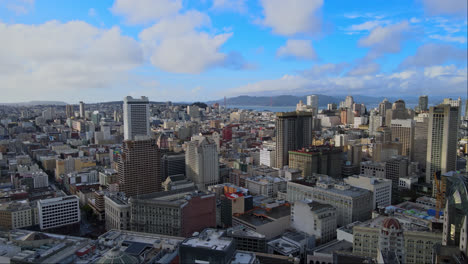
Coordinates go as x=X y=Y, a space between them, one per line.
x=205 y=50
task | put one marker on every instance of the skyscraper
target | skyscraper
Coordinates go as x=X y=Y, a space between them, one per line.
x=403 y=132
x=383 y=107
x=420 y=139
x=423 y=103
x=136 y=117
x=69 y=111
x=441 y=140
x=201 y=162
x=139 y=167
x=312 y=102
x=293 y=131
x=82 y=110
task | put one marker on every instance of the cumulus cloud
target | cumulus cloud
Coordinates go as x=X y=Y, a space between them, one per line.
x=57 y=57
x=296 y=48
x=428 y=80
x=386 y=39
x=445 y=7
x=364 y=69
x=176 y=45
x=144 y=11
x=434 y=54
x=325 y=70
x=367 y=26
x=292 y=17
x=232 y=5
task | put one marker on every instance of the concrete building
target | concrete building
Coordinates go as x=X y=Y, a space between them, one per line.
x=317 y=159
x=69 y=111
x=441 y=140
x=172 y=164
x=396 y=168
x=293 y=131
x=315 y=219
x=247 y=239
x=383 y=107
x=373 y=169
x=403 y=132
x=82 y=110
x=136 y=117
x=312 y=102
x=420 y=139
x=381 y=188
x=117 y=212
x=201 y=162
x=351 y=203
x=268 y=157
x=265 y=185
x=58 y=212
x=409 y=243
x=139 y=167
x=18 y=214
x=375 y=121
x=423 y=103
x=178 y=213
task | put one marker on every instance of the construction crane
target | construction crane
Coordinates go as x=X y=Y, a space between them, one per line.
x=439 y=194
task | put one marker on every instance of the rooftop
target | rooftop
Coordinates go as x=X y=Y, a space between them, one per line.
x=283 y=246
x=333 y=246
x=211 y=239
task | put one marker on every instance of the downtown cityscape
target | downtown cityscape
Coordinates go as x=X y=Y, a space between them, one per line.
x=146 y=132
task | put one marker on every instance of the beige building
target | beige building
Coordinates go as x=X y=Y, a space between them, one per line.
x=414 y=244
x=117 y=212
x=315 y=219
x=441 y=140
x=403 y=132
x=381 y=188
x=18 y=214
x=351 y=203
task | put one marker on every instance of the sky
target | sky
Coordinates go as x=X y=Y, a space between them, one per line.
x=189 y=50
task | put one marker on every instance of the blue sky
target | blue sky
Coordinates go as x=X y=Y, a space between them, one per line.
x=184 y=50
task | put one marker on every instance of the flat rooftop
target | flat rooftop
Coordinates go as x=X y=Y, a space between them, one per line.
x=333 y=246
x=210 y=238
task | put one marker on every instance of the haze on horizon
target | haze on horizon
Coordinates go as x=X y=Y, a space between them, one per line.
x=204 y=50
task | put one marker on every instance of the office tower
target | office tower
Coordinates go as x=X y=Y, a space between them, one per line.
x=455 y=232
x=317 y=159
x=139 y=167
x=420 y=139
x=58 y=212
x=293 y=132
x=349 y=102
x=173 y=164
x=331 y=107
x=82 y=109
x=315 y=219
x=384 y=106
x=403 y=132
x=398 y=111
x=375 y=121
x=136 y=117
x=455 y=103
x=396 y=168
x=441 y=140
x=69 y=111
x=423 y=103
x=466 y=109
x=201 y=162
x=312 y=102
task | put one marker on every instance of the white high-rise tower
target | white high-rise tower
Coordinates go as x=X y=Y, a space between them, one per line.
x=136 y=117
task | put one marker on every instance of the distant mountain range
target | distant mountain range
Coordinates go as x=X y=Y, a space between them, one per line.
x=32 y=103
x=323 y=100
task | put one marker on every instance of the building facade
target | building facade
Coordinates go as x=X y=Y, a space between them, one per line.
x=136 y=117
x=201 y=162
x=58 y=212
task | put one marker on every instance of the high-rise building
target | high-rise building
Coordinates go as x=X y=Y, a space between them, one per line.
x=403 y=132
x=173 y=164
x=420 y=139
x=293 y=131
x=384 y=106
x=398 y=111
x=375 y=121
x=136 y=117
x=202 y=162
x=317 y=159
x=82 y=109
x=312 y=102
x=69 y=111
x=441 y=140
x=349 y=102
x=423 y=103
x=139 y=167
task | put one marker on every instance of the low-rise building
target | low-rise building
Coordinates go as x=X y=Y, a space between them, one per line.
x=58 y=212
x=265 y=185
x=18 y=214
x=381 y=188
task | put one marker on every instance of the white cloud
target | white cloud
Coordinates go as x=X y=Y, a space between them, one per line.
x=296 y=48
x=234 y=5
x=434 y=80
x=175 y=45
x=19 y=7
x=92 y=12
x=292 y=17
x=144 y=11
x=445 y=7
x=325 y=70
x=364 y=69
x=366 y=26
x=63 y=58
x=415 y=20
x=386 y=39
x=434 y=54
x=449 y=38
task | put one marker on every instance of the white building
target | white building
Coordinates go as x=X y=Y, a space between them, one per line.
x=117 y=212
x=136 y=117
x=57 y=212
x=315 y=219
x=268 y=157
x=265 y=185
x=40 y=179
x=312 y=101
x=381 y=188
x=202 y=162
x=341 y=140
